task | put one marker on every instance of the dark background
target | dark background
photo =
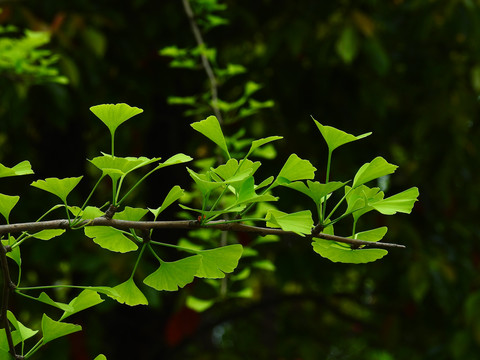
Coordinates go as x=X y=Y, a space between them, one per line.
x=413 y=80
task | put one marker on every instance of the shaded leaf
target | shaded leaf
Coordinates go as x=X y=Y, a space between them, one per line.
x=199 y=305
x=338 y=252
x=172 y=275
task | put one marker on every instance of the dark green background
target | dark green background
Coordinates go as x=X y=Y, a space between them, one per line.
x=413 y=80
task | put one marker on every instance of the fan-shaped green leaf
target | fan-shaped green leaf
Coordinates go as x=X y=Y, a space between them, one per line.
x=7 y=203
x=210 y=127
x=359 y=198
x=372 y=235
x=116 y=167
x=336 y=138
x=300 y=222
x=260 y=142
x=199 y=305
x=315 y=190
x=130 y=214
x=110 y=238
x=378 y=167
x=172 y=275
x=246 y=193
x=52 y=329
x=86 y=299
x=101 y=357
x=48 y=234
x=44 y=298
x=58 y=187
x=295 y=169
x=23 y=168
x=130 y=294
x=402 y=202
x=113 y=115
x=216 y=262
x=338 y=252
x=23 y=331
x=175 y=159
x=173 y=195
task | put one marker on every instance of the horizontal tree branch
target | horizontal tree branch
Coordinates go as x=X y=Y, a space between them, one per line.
x=33 y=227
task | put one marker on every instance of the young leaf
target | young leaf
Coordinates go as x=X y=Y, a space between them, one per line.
x=359 y=198
x=130 y=294
x=110 y=238
x=24 y=332
x=173 y=195
x=172 y=275
x=173 y=160
x=337 y=252
x=246 y=193
x=101 y=357
x=7 y=203
x=336 y=138
x=216 y=262
x=116 y=167
x=378 y=167
x=58 y=187
x=199 y=305
x=113 y=115
x=402 y=202
x=260 y=142
x=52 y=329
x=315 y=190
x=210 y=127
x=300 y=222
x=295 y=169
x=131 y=214
x=48 y=234
x=372 y=235
x=86 y=299
x=23 y=168
x=44 y=298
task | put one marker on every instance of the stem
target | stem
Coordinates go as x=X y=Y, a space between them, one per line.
x=135 y=186
x=138 y=260
x=327 y=179
x=170 y=246
x=91 y=193
x=8 y=286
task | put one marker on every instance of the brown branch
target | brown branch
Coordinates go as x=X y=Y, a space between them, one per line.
x=8 y=286
x=205 y=63
x=182 y=224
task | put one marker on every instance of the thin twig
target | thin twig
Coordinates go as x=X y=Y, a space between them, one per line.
x=33 y=227
x=205 y=63
x=7 y=288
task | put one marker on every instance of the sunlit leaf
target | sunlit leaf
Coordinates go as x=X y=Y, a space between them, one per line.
x=44 y=298
x=260 y=142
x=58 y=187
x=246 y=193
x=52 y=329
x=402 y=202
x=359 y=198
x=216 y=262
x=23 y=331
x=116 y=167
x=174 y=160
x=295 y=169
x=86 y=299
x=378 y=167
x=110 y=238
x=199 y=305
x=372 y=235
x=113 y=115
x=172 y=275
x=210 y=127
x=315 y=190
x=173 y=195
x=23 y=168
x=130 y=294
x=338 y=252
x=300 y=222
x=335 y=138
x=7 y=203
x=232 y=168
x=100 y=357
x=130 y=214
x=48 y=234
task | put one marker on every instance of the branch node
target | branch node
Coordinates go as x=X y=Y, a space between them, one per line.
x=110 y=212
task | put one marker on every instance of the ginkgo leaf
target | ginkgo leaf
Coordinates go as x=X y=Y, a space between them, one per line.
x=58 y=187
x=375 y=169
x=173 y=195
x=44 y=298
x=48 y=234
x=130 y=294
x=246 y=193
x=359 y=198
x=130 y=214
x=210 y=127
x=402 y=202
x=24 y=332
x=172 y=275
x=110 y=238
x=23 y=168
x=100 y=357
x=337 y=252
x=7 y=203
x=372 y=235
x=52 y=329
x=233 y=168
x=295 y=169
x=86 y=299
x=116 y=167
x=199 y=305
x=260 y=142
x=335 y=137
x=175 y=159
x=315 y=190
x=113 y=115
x=300 y=222
x=216 y=262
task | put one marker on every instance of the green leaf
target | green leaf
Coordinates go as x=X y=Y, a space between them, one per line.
x=260 y=142
x=110 y=238
x=300 y=222
x=86 y=299
x=113 y=115
x=246 y=193
x=23 y=331
x=58 y=187
x=117 y=167
x=130 y=214
x=378 y=167
x=173 y=195
x=7 y=203
x=295 y=169
x=210 y=127
x=172 y=275
x=101 y=357
x=175 y=159
x=336 y=138
x=359 y=198
x=44 y=298
x=130 y=294
x=23 y=168
x=216 y=262
x=48 y=234
x=338 y=252
x=372 y=235
x=232 y=171
x=52 y=329
x=402 y=202
x=315 y=190
x=347 y=44
x=15 y=253
x=199 y=305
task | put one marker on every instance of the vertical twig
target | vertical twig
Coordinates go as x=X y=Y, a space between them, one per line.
x=205 y=62
x=8 y=285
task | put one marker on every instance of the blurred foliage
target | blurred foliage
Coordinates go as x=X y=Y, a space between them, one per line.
x=407 y=70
